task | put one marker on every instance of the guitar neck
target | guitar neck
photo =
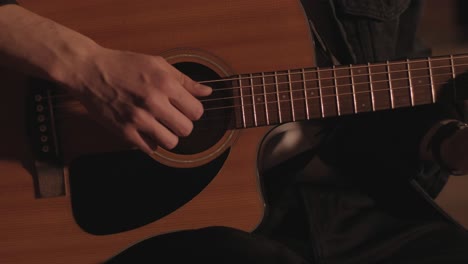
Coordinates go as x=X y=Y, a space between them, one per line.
x=270 y=98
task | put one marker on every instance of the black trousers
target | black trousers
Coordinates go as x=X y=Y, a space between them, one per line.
x=315 y=225
x=225 y=245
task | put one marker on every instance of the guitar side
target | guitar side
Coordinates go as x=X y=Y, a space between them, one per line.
x=244 y=36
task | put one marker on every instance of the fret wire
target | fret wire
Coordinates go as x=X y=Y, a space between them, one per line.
x=305 y=93
x=390 y=86
x=453 y=77
x=432 y=80
x=242 y=102
x=353 y=88
x=265 y=99
x=452 y=65
x=253 y=99
x=337 y=98
x=371 y=85
x=278 y=98
x=408 y=67
x=291 y=95
x=320 y=92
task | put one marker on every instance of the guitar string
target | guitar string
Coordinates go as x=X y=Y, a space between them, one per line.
x=347 y=68
x=278 y=112
x=313 y=90
x=354 y=76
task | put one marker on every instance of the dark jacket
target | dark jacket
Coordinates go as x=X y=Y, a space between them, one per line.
x=385 y=145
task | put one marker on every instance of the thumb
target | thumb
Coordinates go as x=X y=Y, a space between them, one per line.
x=193 y=87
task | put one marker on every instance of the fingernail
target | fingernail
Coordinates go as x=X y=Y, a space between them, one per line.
x=207 y=88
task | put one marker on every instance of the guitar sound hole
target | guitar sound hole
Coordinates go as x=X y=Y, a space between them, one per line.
x=217 y=116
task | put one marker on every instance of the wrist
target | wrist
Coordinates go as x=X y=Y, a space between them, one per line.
x=73 y=61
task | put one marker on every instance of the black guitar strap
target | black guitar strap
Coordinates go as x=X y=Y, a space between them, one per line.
x=327 y=30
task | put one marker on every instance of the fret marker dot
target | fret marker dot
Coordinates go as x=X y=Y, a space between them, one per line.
x=363 y=105
x=283 y=96
x=312 y=93
x=419 y=81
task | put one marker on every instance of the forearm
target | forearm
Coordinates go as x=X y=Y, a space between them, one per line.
x=40 y=47
x=150 y=103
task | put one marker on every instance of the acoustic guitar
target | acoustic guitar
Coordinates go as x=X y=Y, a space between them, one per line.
x=72 y=192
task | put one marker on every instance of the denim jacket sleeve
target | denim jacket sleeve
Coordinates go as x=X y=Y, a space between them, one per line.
x=384 y=146
x=4 y=2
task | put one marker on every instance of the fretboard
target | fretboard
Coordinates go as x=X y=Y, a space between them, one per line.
x=270 y=98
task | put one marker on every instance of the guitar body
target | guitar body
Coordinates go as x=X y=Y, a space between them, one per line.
x=228 y=37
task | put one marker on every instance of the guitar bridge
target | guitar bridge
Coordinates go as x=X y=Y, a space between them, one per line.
x=48 y=171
